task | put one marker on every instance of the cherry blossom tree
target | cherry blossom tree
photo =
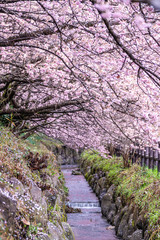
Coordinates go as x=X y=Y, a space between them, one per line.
x=86 y=72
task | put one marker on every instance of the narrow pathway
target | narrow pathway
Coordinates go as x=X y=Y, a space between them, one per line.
x=89 y=224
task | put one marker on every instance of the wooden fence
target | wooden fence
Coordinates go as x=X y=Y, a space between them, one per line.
x=145 y=157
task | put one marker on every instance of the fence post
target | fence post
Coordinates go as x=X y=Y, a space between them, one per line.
x=118 y=151
x=147 y=156
x=130 y=154
x=159 y=162
x=156 y=159
x=133 y=155
x=137 y=155
x=142 y=158
x=151 y=165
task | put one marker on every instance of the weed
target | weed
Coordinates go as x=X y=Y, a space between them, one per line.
x=32 y=230
x=61 y=177
x=65 y=189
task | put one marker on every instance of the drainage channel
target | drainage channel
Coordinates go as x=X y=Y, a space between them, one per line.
x=89 y=224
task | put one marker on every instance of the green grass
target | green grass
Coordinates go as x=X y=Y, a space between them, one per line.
x=37 y=139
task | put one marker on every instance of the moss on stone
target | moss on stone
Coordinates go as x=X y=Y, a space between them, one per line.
x=90 y=178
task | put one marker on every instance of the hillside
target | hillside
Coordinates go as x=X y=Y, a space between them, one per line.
x=32 y=190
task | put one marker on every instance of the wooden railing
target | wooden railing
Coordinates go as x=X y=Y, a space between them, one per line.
x=145 y=157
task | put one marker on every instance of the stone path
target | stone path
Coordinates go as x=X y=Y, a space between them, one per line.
x=89 y=224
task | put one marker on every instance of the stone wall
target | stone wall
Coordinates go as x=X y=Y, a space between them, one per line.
x=129 y=221
x=66 y=155
x=34 y=210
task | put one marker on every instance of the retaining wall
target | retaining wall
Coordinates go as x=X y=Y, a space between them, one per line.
x=129 y=221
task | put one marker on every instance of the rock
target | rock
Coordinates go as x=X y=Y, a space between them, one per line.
x=102 y=182
x=8 y=208
x=111 y=190
x=94 y=187
x=66 y=155
x=51 y=199
x=17 y=185
x=117 y=220
x=76 y=172
x=96 y=177
x=35 y=192
x=107 y=199
x=124 y=216
x=137 y=235
x=111 y=215
x=55 y=231
x=44 y=207
x=124 y=210
x=106 y=204
x=125 y=232
x=38 y=210
x=97 y=189
x=90 y=179
x=72 y=210
x=92 y=182
x=121 y=227
x=118 y=203
x=40 y=215
x=135 y=214
x=68 y=231
x=102 y=193
x=141 y=222
x=131 y=225
x=42 y=236
x=110 y=227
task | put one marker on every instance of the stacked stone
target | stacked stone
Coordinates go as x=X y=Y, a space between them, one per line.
x=129 y=221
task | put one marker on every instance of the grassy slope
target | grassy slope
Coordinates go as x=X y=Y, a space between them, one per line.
x=142 y=185
x=14 y=163
x=14 y=150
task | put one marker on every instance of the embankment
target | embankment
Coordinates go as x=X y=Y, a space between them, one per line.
x=130 y=198
x=32 y=191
